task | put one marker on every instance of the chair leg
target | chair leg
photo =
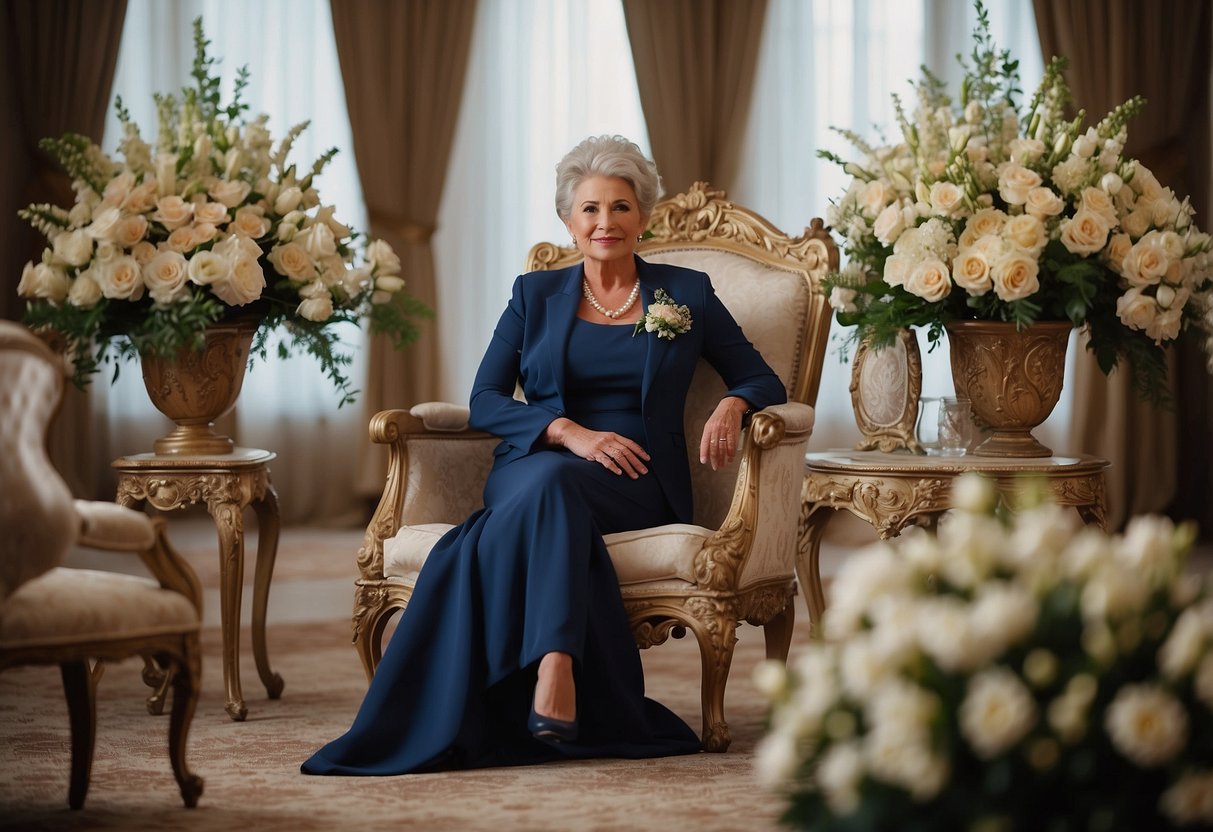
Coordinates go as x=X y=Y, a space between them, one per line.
x=778 y=632
x=716 y=631
x=82 y=715
x=158 y=679
x=186 y=677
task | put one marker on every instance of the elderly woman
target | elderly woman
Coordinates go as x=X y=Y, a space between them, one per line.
x=515 y=647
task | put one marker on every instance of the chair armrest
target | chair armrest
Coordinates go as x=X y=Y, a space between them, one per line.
x=437 y=467
x=757 y=539
x=114 y=528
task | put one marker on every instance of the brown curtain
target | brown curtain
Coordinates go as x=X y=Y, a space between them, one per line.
x=403 y=62
x=695 y=63
x=1119 y=48
x=58 y=67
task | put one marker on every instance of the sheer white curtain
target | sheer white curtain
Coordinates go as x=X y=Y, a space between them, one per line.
x=544 y=74
x=288 y=407
x=834 y=63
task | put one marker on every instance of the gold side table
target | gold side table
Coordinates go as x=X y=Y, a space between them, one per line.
x=226 y=483
x=891 y=491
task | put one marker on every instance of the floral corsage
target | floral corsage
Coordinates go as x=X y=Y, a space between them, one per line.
x=665 y=317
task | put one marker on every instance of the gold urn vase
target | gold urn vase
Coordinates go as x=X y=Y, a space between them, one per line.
x=1012 y=378
x=196 y=387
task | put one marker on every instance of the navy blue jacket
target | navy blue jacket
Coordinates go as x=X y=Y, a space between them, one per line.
x=529 y=345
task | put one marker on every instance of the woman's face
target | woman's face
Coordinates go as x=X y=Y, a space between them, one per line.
x=606 y=218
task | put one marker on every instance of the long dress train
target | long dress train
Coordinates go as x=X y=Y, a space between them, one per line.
x=526 y=575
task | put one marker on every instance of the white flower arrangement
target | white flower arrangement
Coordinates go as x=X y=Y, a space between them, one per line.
x=1012 y=671
x=208 y=223
x=665 y=317
x=985 y=212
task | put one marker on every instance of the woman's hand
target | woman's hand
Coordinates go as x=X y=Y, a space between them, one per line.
x=612 y=451
x=722 y=432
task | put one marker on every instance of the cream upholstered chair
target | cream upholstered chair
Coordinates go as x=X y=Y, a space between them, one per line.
x=72 y=617
x=738 y=565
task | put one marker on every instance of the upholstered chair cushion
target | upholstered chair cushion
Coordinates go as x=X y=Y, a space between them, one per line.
x=36 y=511
x=111 y=526
x=69 y=606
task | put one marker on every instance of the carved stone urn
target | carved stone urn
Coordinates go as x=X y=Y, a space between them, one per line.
x=1012 y=377
x=196 y=387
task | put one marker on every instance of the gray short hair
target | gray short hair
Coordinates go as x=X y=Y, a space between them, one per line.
x=607 y=156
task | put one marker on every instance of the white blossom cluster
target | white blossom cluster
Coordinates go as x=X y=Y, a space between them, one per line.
x=913 y=622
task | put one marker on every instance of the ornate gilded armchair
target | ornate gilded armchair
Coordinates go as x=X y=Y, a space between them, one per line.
x=77 y=618
x=739 y=564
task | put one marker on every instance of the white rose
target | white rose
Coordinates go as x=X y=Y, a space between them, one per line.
x=1147 y=725
x=1137 y=222
x=243 y=284
x=1084 y=233
x=319 y=241
x=1026 y=233
x=997 y=712
x=43 y=281
x=1146 y=262
x=971 y=272
x=985 y=222
x=1166 y=324
x=214 y=213
x=929 y=279
x=288 y=200
x=1043 y=202
x=1085 y=144
x=889 y=225
x=85 y=291
x=292 y=260
x=839 y=774
x=1111 y=183
x=173 y=212
x=250 y=222
x=947 y=199
x=382 y=258
x=165 y=276
x=229 y=192
x=1025 y=151
x=1014 y=183
x=121 y=278
x=842 y=299
x=74 y=248
x=316 y=309
x=1015 y=276
x=207 y=267
x=875 y=196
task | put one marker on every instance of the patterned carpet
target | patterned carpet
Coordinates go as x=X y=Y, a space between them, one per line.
x=251 y=768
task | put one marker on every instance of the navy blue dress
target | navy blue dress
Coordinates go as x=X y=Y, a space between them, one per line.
x=526 y=575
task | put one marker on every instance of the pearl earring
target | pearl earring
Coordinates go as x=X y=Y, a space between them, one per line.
x=640 y=238
x=574 y=239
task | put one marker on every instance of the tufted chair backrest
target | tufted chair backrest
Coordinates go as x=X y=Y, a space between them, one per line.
x=38 y=521
x=771 y=284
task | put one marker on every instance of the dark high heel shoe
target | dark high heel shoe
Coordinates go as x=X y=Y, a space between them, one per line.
x=550 y=730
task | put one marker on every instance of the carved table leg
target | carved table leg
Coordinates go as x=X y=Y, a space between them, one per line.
x=267 y=551
x=813 y=520
x=229 y=521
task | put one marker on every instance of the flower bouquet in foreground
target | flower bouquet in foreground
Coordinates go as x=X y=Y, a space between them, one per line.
x=207 y=224
x=1010 y=673
x=984 y=211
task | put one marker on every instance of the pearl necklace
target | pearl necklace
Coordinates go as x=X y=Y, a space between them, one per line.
x=610 y=313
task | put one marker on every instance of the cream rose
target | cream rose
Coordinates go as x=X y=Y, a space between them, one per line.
x=73 y=248
x=319 y=241
x=173 y=212
x=1118 y=247
x=250 y=222
x=1014 y=183
x=1043 y=202
x=842 y=299
x=1015 y=276
x=207 y=267
x=43 y=281
x=1099 y=203
x=292 y=260
x=117 y=189
x=382 y=258
x=85 y=291
x=1084 y=233
x=1137 y=222
x=143 y=252
x=214 y=213
x=984 y=222
x=165 y=276
x=929 y=280
x=1026 y=233
x=244 y=283
x=288 y=200
x=141 y=199
x=316 y=309
x=202 y=232
x=102 y=226
x=897 y=269
x=391 y=283
x=946 y=199
x=1135 y=310
x=890 y=224
x=1147 y=724
x=875 y=196
x=129 y=230
x=1146 y=262
x=181 y=239
x=997 y=712
x=120 y=279
x=1025 y=151
x=229 y=192
x=971 y=272
x=1166 y=324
